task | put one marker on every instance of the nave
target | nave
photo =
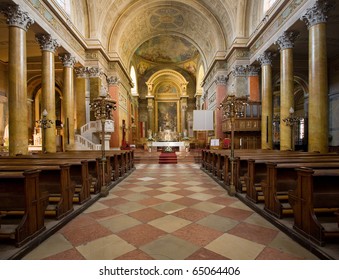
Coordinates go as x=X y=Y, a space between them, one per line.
x=171 y=212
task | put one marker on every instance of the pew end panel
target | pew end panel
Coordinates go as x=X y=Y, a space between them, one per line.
x=22 y=206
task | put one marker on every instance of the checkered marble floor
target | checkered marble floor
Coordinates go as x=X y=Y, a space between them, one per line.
x=169 y=212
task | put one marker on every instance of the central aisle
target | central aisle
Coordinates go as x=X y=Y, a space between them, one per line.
x=167 y=212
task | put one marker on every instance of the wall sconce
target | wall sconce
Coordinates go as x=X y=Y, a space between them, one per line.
x=44 y=123
x=233 y=107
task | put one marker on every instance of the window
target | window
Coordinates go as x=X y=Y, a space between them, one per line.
x=65 y=5
x=268 y=4
x=134 y=80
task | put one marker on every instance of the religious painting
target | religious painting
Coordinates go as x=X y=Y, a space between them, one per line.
x=166 y=87
x=167 y=116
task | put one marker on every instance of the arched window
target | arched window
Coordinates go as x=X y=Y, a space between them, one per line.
x=134 y=80
x=268 y=4
x=65 y=5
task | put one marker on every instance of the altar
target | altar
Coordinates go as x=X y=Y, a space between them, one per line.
x=180 y=145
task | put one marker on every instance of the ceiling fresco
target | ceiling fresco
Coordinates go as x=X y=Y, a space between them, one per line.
x=167 y=49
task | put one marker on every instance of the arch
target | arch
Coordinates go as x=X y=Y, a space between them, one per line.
x=177 y=84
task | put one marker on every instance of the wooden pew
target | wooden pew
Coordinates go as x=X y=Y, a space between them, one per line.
x=315 y=189
x=55 y=180
x=257 y=170
x=20 y=192
x=282 y=177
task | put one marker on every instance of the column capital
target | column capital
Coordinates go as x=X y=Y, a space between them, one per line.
x=81 y=72
x=239 y=71
x=46 y=42
x=94 y=72
x=221 y=80
x=286 y=40
x=67 y=60
x=113 y=81
x=252 y=70
x=317 y=13
x=265 y=58
x=17 y=17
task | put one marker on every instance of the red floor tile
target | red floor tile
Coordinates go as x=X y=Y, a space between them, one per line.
x=197 y=234
x=146 y=215
x=254 y=233
x=141 y=234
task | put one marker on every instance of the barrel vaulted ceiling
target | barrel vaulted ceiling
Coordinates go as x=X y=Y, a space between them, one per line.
x=120 y=27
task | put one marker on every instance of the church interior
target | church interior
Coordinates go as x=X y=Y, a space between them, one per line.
x=193 y=129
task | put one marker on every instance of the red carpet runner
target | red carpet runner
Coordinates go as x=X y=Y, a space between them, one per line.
x=166 y=158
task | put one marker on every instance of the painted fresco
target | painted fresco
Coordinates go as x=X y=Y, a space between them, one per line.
x=167 y=116
x=167 y=49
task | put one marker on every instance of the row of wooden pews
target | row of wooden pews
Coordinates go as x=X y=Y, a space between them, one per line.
x=39 y=186
x=301 y=185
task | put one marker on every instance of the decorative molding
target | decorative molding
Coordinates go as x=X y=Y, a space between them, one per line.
x=67 y=60
x=286 y=40
x=17 y=17
x=46 y=42
x=265 y=58
x=317 y=14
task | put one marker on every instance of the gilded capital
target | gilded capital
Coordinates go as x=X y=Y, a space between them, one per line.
x=265 y=58
x=286 y=40
x=67 y=60
x=317 y=13
x=17 y=17
x=46 y=42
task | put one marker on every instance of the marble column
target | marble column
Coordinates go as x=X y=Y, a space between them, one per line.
x=95 y=86
x=315 y=19
x=221 y=92
x=18 y=21
x=265 y=60
x=113 y=89
x=150 y=109
x=80 y=97
x=286 y=44
x=183 y=116
x=48 y=46
x=240 y=82
x=68 y=62
x=253 y=82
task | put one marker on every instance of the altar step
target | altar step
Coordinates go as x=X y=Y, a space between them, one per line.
x=168 y=158
x=141 y=156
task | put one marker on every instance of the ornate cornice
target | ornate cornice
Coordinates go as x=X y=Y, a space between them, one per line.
x=317 y=13
x=67 y=60
x=17 y=17
x=265 y=58
x=286 y=40
x=46 y=42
